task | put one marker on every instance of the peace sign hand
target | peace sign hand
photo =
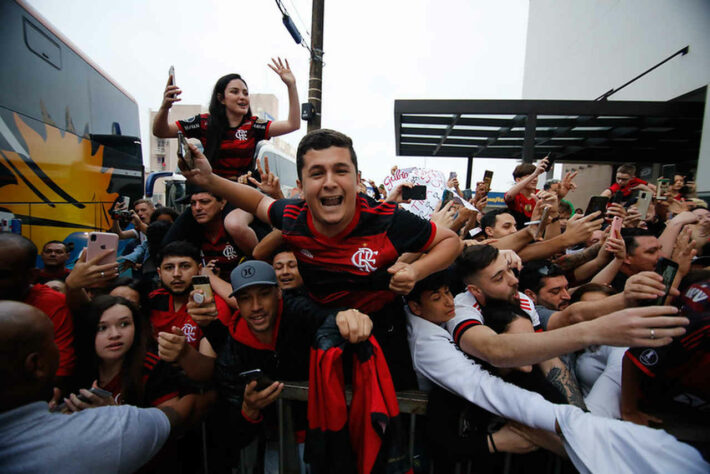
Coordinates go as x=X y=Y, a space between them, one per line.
x=269 y=181
x=284 y=71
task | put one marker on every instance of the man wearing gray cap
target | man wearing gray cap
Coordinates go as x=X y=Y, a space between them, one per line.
x=270 y=332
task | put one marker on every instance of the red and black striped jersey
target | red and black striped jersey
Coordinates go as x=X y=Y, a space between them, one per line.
x=221 y=248
x=350 y=269
x=236 y=153
x=684 y=364
x=163 y=316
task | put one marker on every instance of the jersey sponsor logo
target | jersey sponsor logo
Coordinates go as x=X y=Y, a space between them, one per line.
x=229 y=252
x=191 y=119
x=649 y=357
x=240 y=135
x=190 y=332
x=364 y=259
x=696 y=295
x=306 y=253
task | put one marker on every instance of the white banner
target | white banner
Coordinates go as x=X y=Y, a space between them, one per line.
x=435 y=183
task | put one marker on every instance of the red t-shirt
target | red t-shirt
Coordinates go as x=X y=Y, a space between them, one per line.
x=163 y=316
x=522 y=204
x=54 y=305
x=629 y=188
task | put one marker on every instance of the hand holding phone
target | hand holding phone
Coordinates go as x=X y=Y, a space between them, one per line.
x=184 y=153
x=99 y=242
x=667 y=269
x=262 y=380
x=596 y=203
x=416 y=193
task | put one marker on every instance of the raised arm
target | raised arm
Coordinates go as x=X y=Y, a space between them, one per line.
x=240 y=195
x=162 y=128
x=578 y=230
x=293 y=123
x=520 y=185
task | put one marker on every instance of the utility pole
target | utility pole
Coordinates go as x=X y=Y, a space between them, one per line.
x=316 y=73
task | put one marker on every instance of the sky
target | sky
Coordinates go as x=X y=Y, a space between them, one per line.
x=375 y=52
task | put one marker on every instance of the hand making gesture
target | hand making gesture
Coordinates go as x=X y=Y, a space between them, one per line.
x=284 y=71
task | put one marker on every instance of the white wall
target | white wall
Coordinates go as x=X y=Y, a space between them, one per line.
x=580 y=49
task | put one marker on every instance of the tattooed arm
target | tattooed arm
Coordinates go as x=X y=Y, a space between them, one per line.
x=559 y=375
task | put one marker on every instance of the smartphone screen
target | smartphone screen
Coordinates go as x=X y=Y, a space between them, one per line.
x=667 y=269
x=662 y=188
x=416 y=193
x=201 y=282
x=452 y=175
x=487 y=178
x=596 y=203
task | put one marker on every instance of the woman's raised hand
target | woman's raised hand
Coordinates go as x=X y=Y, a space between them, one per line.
x=284 y=71
x=171 y=94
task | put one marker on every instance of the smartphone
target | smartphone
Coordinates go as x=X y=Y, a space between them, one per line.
x=171 y=76
x=618 y=197
x=662 y=188
x=550 y=161
x=667 y=269
x=487 y=179
x=643 y=202
x=100 y=392
x=668 y=171
x=262 y=380
x=467 y=194
x=416 y=193
x=201 y=282
x=446 y=197
x=452 y=175
x=616 y=224
x=543 y=222
x=183 y=151
x=98 y=243
x=597 y=203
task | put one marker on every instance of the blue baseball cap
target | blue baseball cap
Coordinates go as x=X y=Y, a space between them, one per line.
x=250 y=273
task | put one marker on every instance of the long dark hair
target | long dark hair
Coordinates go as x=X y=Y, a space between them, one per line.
x=132 y=367
x=218 y=122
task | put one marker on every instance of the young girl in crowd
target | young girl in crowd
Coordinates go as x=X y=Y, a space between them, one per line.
x=112 y=344
x=229 y=135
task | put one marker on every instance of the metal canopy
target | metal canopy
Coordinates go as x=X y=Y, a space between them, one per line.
x=573 y=130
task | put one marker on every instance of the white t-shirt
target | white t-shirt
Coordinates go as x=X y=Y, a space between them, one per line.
x=468 y=314
x=438 y=360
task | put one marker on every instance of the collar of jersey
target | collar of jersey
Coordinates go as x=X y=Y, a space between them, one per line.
x=243 y=334
x=343 y=233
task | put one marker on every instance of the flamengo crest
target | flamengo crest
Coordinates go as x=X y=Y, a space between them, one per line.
x=364 y=260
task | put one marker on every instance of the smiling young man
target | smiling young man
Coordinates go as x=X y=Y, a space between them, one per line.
x=286 y=268
x=347 y=245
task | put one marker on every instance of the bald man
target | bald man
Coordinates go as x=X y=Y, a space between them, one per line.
x=33 y=439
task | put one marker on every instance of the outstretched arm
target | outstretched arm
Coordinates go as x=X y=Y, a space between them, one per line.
x=240 y=195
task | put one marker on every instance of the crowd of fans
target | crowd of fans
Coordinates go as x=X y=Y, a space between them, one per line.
x=534 y=328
